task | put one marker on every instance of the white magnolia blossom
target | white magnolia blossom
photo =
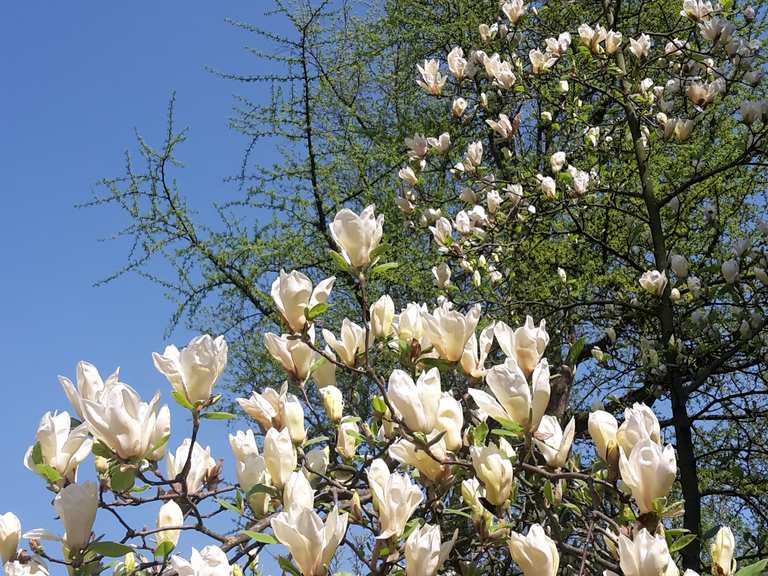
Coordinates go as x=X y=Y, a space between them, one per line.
x=645 y=555
x=548 y=186
x=295 y=357
x=450 y=420
x=432 y=81
x=722 y=552
x=430 y=466
x=382 y=315
x=316 y=461
x=410 y=324
x=90 y=386
x=513 y=399
x=541 y=62
x=10 y=534
x=34 y=567
x=61 y=447
x=640 y=423
x=425 y=553
x=730 y=270
x=679 y=265
x=526 y=344
x=395 y=497
x=535 y=553
x=347 y=438
x=558 y=46
x=294 y=296
x=641 y=46
x=612 y=42
x=476 y=351
x=201 y=467
x=649 y=472
x=250 y=469
x=603 y=429
x=504 y=127
x=458 y=107
x=333 y=402
x=273 y=409
x=696 y=10
x=357 y=235
x=448 y=330
x=311 y=542
x=441 y=144
x=493 y=468
x=407 y=175
x=592 y=37
x=553 y=442
x=76 y=504
x=416 y=403
x=442 y=275
x=351 y=341
x=557 y=161
x=169 y=516
x=195 y=369
x=653 y=282
x=279 y=456
x=130 y=428
x=298 y=493
x=210 y=561
x=514 y=10
x=457 y=64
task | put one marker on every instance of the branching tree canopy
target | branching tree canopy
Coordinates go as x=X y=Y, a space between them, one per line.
x=597 y=164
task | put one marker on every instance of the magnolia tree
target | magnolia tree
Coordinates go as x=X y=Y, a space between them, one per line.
x=483 y=483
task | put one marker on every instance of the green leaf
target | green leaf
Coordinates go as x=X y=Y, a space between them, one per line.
x=226 y=505
x=164 y=549
x=110 y=549
x=261 y=489
x=378 y=251
x=286 y=566
x=316 y=310
x=511 y=426
x=99 y=449
x=549 y=493
x=37 y=454
x=457 y=512
x=755 y=569
x=682 y=542
x=160 y=443
x=384 y=268
x=379 y=405
x=50 y=473
x=480 y=433
x=574 y=352
x=350 y=419
x=217 y=415
x=339 y=260
x=261 y=537
x=121 y=479
x=181 y=400
x=315 y=440
x=505 y=432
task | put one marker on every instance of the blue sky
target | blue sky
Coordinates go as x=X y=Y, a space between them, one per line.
x=77 y=79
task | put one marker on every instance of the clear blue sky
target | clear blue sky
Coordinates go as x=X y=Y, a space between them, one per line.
x=77 y=79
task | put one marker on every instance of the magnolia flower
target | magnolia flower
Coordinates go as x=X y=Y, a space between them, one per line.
x=641 y=46
x=194 y=370
x=316 y=461
x=407 y=174
x=395 y=497
x=526 y=344
x=494 y=469
x=311 y=542
x=294 y=296
x=442 y=143
x=579 y=180
x=640 y=423
x=476 y=351
x=679 y=265
x=272 y=409
x=696 y=10
x=357 y=236
x=169 y=516
x=472 y=493
x=132 y=429
x=592 y=37
x=679 y=128
x=513 y=400
x=554 y=443
x=557 y=161
x=540 y=62
x=210 y=561
x=450 y=420
x=10 y=533
x=333 y=402
x=424 y=551
x=279 y=455
x=76 y=504
x=250 y=469
x=432 y=81
x=90 y=386
x=612 y=42
x=548 y=186
x=201 y=468
x=653 y=282
x=417 y=404
x=350 y=343
x=428 y=465
x=558 y=46
x=603 y=429
x=730 y=270
x=346 y=439
x=645 y=555
x=442 y=275
x=295 y=356
x=324 y=373
x=458 y=107
x=514 y=10
x=721 y=551
x=457 y=64
x=33 y=567
x=504 y=127
x=448 y=330
x=298 y=493
x=382 y=315
x=649 y=472
x=535 y=553
x=61 y=448
x=410 y=324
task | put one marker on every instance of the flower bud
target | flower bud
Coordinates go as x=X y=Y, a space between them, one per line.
x=333 y=402
x=10 y=533
x=169 y=516
x=722 y=550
